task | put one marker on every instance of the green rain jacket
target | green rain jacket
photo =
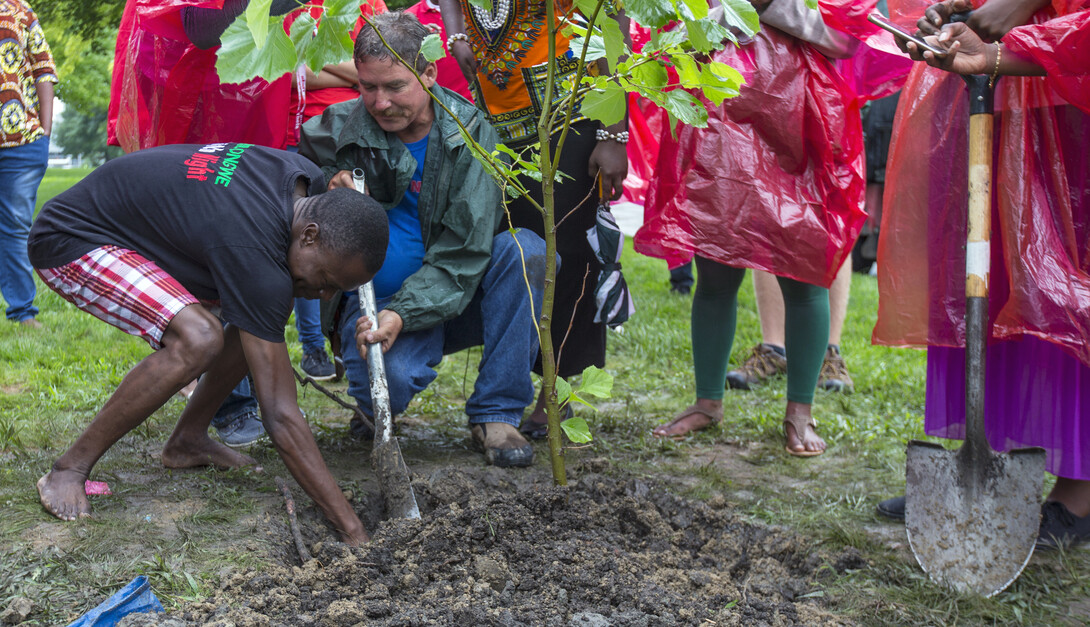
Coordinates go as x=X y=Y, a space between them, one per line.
x=460 y=205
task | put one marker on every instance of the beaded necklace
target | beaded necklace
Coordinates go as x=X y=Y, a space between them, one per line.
x=496 y=18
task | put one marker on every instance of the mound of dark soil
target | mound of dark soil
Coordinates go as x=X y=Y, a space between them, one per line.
x=489 y=551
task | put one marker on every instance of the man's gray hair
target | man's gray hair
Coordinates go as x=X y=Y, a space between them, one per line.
x=402 y=31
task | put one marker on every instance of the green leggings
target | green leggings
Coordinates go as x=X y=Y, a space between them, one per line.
x=715 y=313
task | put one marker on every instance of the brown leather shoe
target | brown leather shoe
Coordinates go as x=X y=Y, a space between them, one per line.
x=31 y=323
x=503 y=445
x=764 y=363
x=834 y=375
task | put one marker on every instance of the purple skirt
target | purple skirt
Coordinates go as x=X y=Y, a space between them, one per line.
x=1035 y=395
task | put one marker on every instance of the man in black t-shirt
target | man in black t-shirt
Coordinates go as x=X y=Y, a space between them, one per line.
x=155 y=242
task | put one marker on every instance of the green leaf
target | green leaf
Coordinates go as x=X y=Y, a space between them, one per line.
x=238 y=60
x=688 y=72
x=563 y=391
x=664 y=40
x=333 y=42
x=812 y=4
x=257 y=20
x=606 y=105
x=596 y=382
x=432 y=48
x=650 y=75
x=686 y=108
x=302 y=34
x=614 y=43
x=576 y=429
x=697 y=8
x=741 y=15
x=595 y=50
x=720 y=81
x=587 y=7
x=651 y=13
x=706 y=35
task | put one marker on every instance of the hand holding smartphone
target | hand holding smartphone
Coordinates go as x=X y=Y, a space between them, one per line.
x=879 y=20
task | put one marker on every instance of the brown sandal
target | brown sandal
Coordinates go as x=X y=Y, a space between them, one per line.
x=799 y=423
x=713 y=417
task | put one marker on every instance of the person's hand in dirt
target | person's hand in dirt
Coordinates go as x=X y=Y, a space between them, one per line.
x=389 y=327
x=990 y=22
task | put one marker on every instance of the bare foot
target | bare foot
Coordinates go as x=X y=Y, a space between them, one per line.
x=798 y=426
x=700 y=415
x=30 y=323
x=204 y=452
x=62 y=494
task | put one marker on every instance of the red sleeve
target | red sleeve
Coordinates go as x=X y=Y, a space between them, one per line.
x=1061 y=46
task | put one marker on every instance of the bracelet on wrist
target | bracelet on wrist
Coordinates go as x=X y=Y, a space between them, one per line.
x=456 y=37
x=995 y=70
x=620 y=137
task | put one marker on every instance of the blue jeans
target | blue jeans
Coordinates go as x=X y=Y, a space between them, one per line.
x=239 y=402
x=308 y=321
x=499 y=317
x=21 y=171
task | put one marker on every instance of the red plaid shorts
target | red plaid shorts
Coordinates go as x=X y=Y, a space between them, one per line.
x=121 y=288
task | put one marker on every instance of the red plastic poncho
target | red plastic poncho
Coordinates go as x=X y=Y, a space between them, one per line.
x=775 y=182
x=1040 y=270
x=165 y=90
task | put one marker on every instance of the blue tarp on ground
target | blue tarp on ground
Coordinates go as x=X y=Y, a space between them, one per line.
x=134 y=598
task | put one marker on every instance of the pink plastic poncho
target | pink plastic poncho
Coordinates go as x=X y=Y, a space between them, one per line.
x=776 y=181
x=1040 y=272
x=165 y=90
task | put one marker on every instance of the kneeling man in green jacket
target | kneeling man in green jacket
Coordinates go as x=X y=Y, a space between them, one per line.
x=452 y=278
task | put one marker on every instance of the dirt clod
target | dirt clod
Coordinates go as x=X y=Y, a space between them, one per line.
x=507 y=548
x=16 y=611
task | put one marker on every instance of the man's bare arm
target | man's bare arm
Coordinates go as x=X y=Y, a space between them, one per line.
x=290 y=433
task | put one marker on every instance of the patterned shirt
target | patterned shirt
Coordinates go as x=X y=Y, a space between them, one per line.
x=24 y=62
x=512 y=68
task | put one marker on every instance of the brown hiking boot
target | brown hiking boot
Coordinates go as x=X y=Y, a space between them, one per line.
x=834 y=375
x=765 y=362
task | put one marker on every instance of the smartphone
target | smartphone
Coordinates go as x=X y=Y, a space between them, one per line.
x=878 y=19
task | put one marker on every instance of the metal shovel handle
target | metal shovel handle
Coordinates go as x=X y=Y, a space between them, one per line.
x=376 y=366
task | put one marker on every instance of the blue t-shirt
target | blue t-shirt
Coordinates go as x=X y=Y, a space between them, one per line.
x=405 y=254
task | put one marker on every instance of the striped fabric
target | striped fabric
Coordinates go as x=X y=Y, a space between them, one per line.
x=121 y=288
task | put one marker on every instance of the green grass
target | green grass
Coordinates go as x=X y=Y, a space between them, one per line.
x=189 y=530
x=57 y=180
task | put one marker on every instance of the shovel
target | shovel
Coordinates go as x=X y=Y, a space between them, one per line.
x=386 y=459
x=972 y=515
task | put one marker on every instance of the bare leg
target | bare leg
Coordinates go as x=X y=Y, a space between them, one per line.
x=807 y=440
x=189 y=445
x=190 y=342
x=769 y=307
x=1074 y=494
x=838 y=301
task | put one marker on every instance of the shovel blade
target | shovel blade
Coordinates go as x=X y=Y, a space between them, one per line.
x=972 y=521
x=397 y=492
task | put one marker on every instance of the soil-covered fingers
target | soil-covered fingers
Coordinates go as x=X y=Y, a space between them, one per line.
x=62 y=494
